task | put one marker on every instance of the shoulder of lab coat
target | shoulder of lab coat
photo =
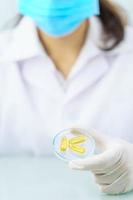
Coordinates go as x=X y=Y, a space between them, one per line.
x=23 y=43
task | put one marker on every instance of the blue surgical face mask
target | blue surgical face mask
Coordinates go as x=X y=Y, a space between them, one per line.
x=58 y=18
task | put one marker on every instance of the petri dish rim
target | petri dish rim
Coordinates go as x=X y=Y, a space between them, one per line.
x=67 y=159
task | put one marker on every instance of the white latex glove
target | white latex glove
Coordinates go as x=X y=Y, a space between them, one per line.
x=113 y=168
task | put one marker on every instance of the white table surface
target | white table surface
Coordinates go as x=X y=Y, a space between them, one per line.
x=41 y=178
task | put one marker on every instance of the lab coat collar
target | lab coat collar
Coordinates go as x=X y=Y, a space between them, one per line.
x=24 y=42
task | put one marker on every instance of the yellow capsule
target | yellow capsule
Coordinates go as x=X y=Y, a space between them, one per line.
x=73 y=144
x=77 y=149
x=64 y=144
x=78 y=140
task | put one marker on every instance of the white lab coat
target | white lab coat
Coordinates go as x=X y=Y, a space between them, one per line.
x=36 y=103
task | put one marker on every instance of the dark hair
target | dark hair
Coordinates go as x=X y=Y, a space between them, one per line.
x=113 y=20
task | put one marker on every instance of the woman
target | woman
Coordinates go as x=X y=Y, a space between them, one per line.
x=67 y=64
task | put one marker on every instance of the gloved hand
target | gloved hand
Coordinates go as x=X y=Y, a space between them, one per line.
x=113 y=168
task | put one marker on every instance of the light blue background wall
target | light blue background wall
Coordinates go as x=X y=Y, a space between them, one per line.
x=8 y=9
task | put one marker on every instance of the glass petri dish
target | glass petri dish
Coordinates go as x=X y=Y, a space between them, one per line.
x=73 y=143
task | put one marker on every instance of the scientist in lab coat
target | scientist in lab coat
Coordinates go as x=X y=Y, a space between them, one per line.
x=66 y=64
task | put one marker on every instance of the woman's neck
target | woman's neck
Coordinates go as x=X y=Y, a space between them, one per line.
x=64 y=50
